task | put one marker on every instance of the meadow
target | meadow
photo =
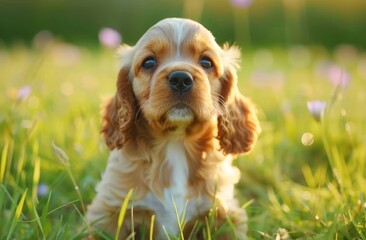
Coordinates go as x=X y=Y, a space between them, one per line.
x=305 y=179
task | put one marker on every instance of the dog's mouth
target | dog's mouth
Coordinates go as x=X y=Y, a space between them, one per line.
x=180 y=113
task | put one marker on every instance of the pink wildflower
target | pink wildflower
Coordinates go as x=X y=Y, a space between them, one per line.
x=109 y=37
x=241 y=3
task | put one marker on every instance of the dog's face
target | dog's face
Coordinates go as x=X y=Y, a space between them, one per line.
x=177 y=77
x=175 y=73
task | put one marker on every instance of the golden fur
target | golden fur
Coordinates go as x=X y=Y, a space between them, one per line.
x=174 y=148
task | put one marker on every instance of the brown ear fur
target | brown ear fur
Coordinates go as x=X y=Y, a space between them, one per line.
x=119 y=113
x=238 y=125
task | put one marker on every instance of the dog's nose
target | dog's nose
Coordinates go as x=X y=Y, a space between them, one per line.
x=180 y=81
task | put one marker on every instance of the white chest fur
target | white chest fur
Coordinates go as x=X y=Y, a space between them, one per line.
x=176 y=158
x=174 y=204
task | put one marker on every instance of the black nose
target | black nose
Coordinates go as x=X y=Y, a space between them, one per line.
x=180 y=81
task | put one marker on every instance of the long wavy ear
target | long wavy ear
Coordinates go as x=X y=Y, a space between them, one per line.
x=238 y=126
x=119 y=112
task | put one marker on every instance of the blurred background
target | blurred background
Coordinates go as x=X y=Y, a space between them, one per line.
x=304 y=66
x=245 y=22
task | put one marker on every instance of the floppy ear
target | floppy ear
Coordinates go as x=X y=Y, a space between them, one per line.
x=238 y=125
x=119 y=112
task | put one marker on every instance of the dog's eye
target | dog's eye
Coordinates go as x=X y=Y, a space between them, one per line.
x=206 y=63
x=149 y=63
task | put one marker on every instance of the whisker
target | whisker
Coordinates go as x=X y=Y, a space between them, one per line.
x=138 y=115
x=219 y=104
x=219 y=98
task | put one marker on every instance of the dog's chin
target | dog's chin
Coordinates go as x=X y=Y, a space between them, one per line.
x=181 y=115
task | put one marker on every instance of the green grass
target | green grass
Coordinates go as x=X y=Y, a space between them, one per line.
x=294 y=189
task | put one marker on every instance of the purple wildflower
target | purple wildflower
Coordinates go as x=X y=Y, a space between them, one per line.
x=316 y=108
x=241 y=3
x=42 y=190
x=24 y=93
x=109 y=37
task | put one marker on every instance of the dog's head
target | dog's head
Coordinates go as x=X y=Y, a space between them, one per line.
x=176 y=77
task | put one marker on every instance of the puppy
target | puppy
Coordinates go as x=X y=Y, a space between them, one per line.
x=174 y=126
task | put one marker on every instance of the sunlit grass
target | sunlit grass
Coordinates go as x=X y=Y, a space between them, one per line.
x=305 y=178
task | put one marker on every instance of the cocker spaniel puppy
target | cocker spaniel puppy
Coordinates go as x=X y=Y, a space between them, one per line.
x=174 y=126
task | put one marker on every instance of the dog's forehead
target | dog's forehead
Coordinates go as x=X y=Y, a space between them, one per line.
x=177 y=30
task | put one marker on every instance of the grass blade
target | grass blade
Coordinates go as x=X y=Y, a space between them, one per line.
x=61 y=155
x=36 y=172
x=166 y=233
x=38 y=220
x=152 y=227
x=65 y=160
x=18 y=211
x=45 y=210
x=208 y=237
x=59 y=229
x=4 y=157
x=122 y=213
x=179 y=220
